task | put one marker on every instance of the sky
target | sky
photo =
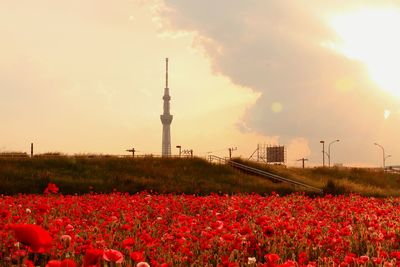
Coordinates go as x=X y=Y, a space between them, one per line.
x=88 y=77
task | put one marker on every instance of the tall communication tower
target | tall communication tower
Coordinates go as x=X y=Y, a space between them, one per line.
x=166 y=118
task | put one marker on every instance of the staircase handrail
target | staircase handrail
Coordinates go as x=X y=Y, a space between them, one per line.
x=263 y=173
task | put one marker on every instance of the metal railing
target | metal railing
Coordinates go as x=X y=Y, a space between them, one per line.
x=261 y=173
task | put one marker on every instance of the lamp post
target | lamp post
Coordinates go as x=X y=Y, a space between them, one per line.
x=323 y=152
x=329 y=151
x=179 y=147
x=388 y=156
x=230 y=151
x=384 y=157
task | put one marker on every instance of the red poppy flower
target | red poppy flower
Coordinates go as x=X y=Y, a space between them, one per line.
x=363 y=259
x=268 y=230
x=289 y=263
x=4 y=214
x=29 y=263
x=53 y=263
x=303 y=258
x=137 y=256
x=68 y=263
x=377 y=261
x=350 y=258
x=113 y=256
x=176 y=230
x=272 y=259
x=32 y=235
x=395 y=254
x=51 y=189
x=128 y=243
x=92 y=257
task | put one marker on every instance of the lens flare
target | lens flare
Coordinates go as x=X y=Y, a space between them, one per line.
x=386 y=114
x=276 y=107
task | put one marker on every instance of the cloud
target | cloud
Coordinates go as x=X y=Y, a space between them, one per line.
x=84 y=77
x=73 y=70
x=279 y=48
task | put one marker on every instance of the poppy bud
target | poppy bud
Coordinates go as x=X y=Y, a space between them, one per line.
x=142 y=264
x=65 y=240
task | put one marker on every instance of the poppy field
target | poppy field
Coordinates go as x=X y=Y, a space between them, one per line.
x=185 y=230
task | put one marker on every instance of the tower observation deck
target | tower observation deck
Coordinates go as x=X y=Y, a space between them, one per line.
x=166 y=118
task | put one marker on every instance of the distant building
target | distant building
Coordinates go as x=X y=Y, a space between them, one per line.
x=166 y=118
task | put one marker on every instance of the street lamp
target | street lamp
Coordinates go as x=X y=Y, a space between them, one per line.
x=383 y=154
x=179 y=147
x=323 y=152
x=329 y=151
x=230 y=151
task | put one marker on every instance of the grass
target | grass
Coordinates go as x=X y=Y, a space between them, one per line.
x=368 y=182
x=105 y=174
x=82 y=174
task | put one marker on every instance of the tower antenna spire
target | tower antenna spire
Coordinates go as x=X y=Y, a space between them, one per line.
x=166 y=73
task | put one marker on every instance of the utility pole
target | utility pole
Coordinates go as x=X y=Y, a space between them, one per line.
x=329 y=151
x=31 y=150
x=302 y=159
x=384 y=157
x=258 y=152
x=132 y=150
x=323 y=153
x=230 y=151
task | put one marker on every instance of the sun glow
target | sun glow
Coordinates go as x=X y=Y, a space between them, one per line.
x=371 y=36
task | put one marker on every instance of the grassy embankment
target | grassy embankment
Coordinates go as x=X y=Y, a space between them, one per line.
x=174 y=175
x=362 y=181
x=104 y=174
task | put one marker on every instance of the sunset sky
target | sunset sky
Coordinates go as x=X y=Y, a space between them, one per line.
x=88 y=76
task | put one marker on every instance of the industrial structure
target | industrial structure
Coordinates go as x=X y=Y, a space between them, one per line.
x=166 y=118
x=270 y=154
